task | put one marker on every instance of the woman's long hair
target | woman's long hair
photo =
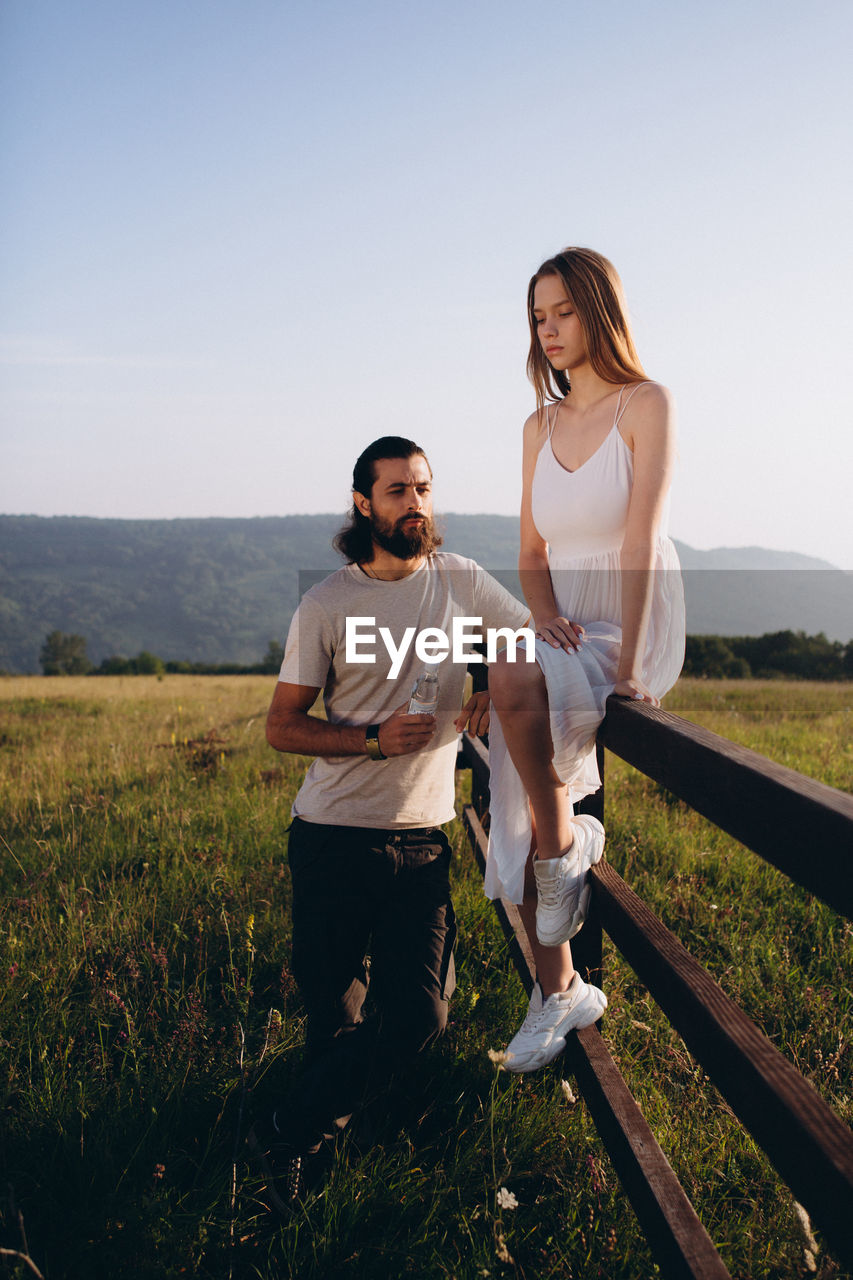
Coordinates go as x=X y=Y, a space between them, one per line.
x=595 y=290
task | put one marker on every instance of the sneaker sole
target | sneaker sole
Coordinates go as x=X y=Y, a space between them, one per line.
x=589 y=1010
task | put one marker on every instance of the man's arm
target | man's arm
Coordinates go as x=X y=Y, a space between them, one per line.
x=291 y=728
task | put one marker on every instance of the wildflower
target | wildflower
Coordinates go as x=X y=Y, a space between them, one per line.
x=567 y=1091
x=13 y=968
x=497 y=1056
x=811 y=1249
x=506 y=1199
x=501 y=1251
x=475 y=996
x=250 y=929
x=159 y=1172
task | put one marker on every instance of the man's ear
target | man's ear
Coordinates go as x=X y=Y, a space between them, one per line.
x=361 y=504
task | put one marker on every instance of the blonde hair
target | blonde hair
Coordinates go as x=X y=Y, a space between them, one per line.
x=596 y=293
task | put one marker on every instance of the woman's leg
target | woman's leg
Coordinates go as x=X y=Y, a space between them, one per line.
x=518 y=692
x=556 y=882
x=554 y=967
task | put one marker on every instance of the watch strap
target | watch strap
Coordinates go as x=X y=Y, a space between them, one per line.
x=372 y=739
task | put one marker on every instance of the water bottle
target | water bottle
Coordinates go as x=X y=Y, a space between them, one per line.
x=424 y=699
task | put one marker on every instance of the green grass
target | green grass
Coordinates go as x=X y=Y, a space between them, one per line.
x=147 y=1004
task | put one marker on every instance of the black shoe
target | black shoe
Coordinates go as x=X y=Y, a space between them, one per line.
x=282 y=1167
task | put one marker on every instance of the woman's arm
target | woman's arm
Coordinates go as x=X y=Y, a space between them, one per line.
x=650 y=433
x=533 y=558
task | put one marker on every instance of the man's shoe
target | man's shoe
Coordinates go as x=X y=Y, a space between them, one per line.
x=563 y=886
x=542 y=1036
x=281 y=1167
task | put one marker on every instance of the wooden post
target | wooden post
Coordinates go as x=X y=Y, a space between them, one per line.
x=586 y=946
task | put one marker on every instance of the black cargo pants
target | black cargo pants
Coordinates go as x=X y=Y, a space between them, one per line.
x=360 y=892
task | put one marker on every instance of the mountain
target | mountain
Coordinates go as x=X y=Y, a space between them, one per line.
x=218 y=590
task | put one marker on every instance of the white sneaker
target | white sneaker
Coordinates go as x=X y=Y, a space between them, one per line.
x=563 y=885
x=542 y=1036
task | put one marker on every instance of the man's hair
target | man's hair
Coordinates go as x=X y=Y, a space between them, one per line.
x=354 y=541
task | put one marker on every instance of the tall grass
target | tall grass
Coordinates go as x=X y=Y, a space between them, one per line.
x=147 y=1008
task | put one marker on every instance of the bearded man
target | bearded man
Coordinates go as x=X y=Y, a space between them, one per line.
x=368 y=857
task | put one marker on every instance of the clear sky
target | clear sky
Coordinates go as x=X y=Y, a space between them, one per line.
x=241 y=240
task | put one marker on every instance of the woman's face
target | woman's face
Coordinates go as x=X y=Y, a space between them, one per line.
x=557 y=325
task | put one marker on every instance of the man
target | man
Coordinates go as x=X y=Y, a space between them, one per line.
x=368 y=859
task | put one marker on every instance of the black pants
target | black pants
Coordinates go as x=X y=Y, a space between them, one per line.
x=358 y=891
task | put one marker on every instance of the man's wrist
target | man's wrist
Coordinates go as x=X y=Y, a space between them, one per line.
x=371 y=738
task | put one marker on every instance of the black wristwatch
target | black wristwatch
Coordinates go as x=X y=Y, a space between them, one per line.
x=372 y=739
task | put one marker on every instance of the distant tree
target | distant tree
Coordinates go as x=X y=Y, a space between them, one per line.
x=711 y=658
x=792 y=655
x=64 y=655
x=114 y=666
x=272 y=659
x=148 y=664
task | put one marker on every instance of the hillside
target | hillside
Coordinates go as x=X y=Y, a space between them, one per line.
x=218 y=590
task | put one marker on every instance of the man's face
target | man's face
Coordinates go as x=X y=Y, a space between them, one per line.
x=400 y=507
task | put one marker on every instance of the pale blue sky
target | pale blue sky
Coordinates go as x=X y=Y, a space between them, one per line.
x=242 y=240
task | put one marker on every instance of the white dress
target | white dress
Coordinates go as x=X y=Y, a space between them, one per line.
x=582 y=515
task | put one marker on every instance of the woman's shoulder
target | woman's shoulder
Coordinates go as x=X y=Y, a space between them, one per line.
x=650 y=396
x=536 y=425
x=649 y=416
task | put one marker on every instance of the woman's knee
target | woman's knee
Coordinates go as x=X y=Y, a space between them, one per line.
x=514 y=686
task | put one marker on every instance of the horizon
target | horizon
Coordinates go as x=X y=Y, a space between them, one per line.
x=489 y=515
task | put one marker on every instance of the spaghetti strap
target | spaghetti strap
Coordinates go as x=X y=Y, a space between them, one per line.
x=551 y=422
x=620 y=407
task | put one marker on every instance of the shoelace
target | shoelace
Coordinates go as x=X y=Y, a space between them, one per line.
x=544 y=1015
x=530 y=1021
x=550 y=894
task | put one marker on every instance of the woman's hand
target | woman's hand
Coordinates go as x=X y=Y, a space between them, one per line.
x=632 y=688
x=561 y=634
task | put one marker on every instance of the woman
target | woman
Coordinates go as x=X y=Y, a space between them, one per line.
x=603 y=584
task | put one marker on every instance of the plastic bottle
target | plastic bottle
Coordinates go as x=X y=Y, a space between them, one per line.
x=424 y=699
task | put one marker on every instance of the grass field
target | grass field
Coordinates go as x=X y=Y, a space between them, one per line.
x=147 y=1006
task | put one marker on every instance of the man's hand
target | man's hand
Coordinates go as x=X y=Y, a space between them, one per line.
x=475 y=715
x=402 y=734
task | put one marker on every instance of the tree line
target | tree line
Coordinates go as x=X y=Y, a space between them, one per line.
x=788 y=655
x=65 y=655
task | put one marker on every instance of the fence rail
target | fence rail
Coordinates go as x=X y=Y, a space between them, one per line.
x=805 y=829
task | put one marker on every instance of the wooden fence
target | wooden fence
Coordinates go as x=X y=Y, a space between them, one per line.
x=806 y=830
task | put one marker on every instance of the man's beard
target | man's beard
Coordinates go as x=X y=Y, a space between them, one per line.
x=411 y=545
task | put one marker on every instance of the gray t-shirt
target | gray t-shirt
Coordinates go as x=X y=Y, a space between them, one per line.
x=415 y=790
